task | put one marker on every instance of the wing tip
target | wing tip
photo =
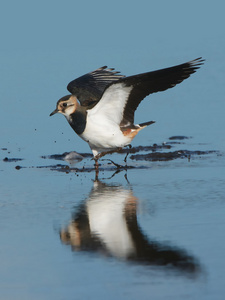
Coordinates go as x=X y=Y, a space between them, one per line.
x=193 y=65
x=196 y=62
x=107 y=71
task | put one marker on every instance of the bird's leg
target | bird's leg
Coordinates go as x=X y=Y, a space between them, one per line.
x=128 y=152
x=99 y=155
x=125 y=176
x=96 y=164
x=96 y=168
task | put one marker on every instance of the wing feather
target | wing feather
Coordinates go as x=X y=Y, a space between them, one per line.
x=89 y=88
x=111 y=106
x=152 y=82
x=121 y=98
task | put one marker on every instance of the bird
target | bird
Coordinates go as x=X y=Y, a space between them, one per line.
x=101 y=105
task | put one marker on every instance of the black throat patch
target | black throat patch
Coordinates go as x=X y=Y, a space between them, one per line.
x=78 y=121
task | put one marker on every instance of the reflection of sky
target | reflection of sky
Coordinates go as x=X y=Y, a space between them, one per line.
x=45 y=44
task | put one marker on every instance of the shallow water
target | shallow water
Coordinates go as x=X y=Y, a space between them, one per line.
x=154 y=229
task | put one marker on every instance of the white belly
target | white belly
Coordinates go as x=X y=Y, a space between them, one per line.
x=104 y=136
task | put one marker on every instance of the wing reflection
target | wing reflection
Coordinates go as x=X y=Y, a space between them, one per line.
x=107 y=223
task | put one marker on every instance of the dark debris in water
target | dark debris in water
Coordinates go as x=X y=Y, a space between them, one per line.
x=154 y=147
x=166 y=156
x=57 y=167
x=179 y=137
x=18 y=167
x=6 y=159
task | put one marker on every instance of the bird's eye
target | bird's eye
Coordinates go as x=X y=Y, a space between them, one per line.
x=64 y=104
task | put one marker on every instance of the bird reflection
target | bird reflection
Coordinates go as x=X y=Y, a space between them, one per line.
x=106 y=222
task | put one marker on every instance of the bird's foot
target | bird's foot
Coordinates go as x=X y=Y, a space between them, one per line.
x=115 y=164
x=125 y=159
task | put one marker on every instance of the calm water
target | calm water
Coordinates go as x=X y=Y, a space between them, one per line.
x=156 y=231
x=153 y=231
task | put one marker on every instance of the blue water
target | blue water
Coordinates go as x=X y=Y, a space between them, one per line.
x=64 y=236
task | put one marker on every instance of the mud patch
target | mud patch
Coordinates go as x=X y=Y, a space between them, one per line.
x=109 y=166
x=154 y=147
x=166 y=156
x=151 y=153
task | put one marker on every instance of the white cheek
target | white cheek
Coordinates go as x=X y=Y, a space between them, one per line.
x=69 y=110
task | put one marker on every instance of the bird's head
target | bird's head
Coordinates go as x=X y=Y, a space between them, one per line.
x=66 y=105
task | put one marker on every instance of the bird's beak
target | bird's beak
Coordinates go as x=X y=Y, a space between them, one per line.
x=54 y=112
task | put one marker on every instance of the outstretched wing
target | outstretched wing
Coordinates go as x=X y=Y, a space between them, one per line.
x=121 y=98
x=90 y=87
x=152 y=82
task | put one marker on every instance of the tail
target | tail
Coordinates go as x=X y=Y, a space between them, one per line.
x=146 y=123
